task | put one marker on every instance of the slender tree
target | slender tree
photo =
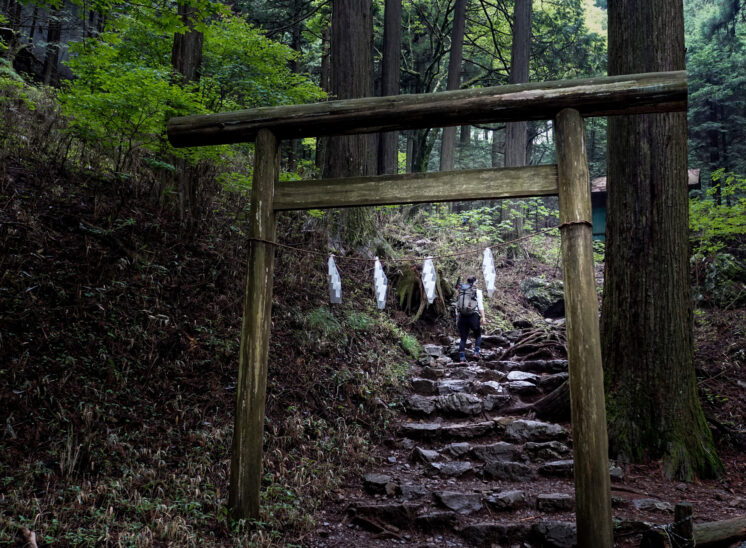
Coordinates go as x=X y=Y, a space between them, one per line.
x=388 y=157
x=52 y=57
x=186 y=59
x=646 y=321
x=448 y=140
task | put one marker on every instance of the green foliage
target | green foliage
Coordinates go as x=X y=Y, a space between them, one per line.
x=716 y=55
x=119 y=107
x=321 y=320
x=125 y=91
x=599 y=251
x=359 y=321
x=410 y=345
x=720 y=216
x=241 y=69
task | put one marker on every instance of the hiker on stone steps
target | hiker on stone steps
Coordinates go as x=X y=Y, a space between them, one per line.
x=469 y=315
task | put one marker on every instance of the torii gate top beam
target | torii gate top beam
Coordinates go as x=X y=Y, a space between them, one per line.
x=627 y=94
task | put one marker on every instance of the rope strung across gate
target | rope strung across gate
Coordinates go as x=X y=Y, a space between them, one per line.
x=418 y=259
x=429 y=274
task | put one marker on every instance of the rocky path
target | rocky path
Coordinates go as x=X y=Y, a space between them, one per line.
x=460 y=471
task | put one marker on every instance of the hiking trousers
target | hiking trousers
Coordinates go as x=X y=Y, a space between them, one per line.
x=466 y=324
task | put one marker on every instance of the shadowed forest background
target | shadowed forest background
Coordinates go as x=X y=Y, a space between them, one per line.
x=122 y=258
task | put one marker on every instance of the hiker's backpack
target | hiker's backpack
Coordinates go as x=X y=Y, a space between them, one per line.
x=466 y=303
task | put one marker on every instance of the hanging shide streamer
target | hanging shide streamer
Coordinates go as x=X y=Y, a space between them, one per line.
x=381 y=283
x=428 y=279
x=488 y=272
x=335 y=282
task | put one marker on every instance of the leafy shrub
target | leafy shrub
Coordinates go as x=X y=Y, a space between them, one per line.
x=321 y=321
x=360 y=321
x=713 y=225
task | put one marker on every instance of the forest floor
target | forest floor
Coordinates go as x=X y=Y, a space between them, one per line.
x=118 y=344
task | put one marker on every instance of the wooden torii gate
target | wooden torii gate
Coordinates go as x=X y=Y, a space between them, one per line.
x=565 y=102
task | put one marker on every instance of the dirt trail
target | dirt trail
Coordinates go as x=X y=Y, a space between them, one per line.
x=459 y=471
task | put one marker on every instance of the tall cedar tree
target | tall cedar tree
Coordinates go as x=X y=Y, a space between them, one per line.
x=388 y=157
x=515 y=132
x=350 y=67
x=646 y=321
x=448 y=140
x=515 y=136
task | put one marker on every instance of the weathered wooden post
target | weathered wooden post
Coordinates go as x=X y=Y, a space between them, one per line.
x=588 y=412
x=246 y=460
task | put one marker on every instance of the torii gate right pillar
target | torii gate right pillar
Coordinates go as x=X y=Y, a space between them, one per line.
x=588 y=408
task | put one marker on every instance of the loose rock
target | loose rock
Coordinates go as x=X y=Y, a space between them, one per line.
x=451 y=469
x=436 y=521
x=556 y=534
x=523 y=376
x=554 y=502
x=425 y=387
x=457 y=449
x=503 y=470
x=433 y=350
x=653 y=505
x=469 y=430
x=421 y=405
x=561 y=468
x=507 y=500
x=375 y=484
x=546 y=450
x=528 y=430
x=496 y=451
x=464 y=404
x=463 y=503
x=423 y=455
x=418 y=430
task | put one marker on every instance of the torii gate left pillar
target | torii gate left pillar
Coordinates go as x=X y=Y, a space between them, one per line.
x=251 y=392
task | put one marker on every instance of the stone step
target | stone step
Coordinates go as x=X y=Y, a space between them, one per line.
x=463 y=383
x=532 y=366
x=447 y=430
x=513 y=430
x=458 y=403
x=558 y=534
x=523 y=430
x=550 y=453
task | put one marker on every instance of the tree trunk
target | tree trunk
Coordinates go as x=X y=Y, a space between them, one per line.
x=325 y=84
x=388 y=157
x=515 y=132
x=293 y=146
x=515 y=137
x=54 y=32
x=646 y=317
x=448 y=140
x=350 y=63
x=498 y=146
x=186 y=59
x=186 y=53
x=351 y=66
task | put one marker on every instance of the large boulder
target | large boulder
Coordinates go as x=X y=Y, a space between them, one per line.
x=547 y=297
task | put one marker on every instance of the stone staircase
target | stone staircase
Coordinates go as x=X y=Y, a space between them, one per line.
x=462 y=472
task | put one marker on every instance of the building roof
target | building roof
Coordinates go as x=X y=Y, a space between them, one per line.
x=599 y=184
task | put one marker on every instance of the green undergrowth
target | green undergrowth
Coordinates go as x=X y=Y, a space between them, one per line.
x=118 y=344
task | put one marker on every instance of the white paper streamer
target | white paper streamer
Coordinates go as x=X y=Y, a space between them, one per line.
x=488 y=272
x=335 y=282
x=428 y=279
x=381 y=283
